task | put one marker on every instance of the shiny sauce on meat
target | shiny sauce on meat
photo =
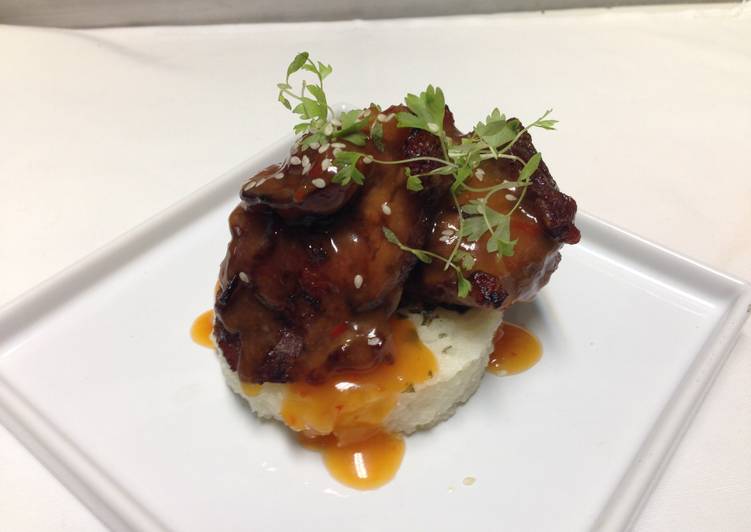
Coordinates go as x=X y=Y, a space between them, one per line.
x=200 y=331
x=515 y=350
x=343 y=417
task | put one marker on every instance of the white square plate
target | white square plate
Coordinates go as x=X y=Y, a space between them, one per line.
x=99 y=378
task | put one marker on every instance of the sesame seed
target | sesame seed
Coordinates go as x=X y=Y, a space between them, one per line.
x=323 y=148
x=314 y=145
x=381 y=117
x=328 y=130
x=390 y=117
x=447 y=232
x=338 y=145
x=374 y=340
x=336 y=122
x=366 y=113
x=278 y=175
x=319 y=183
x=468 y=481
x=510 y=197
x=386 y=209
x=244 y=277
x=250 y=185
x=367 y=159
x=325 y=164
x=294 y=160
x=306 y=169
x=432 y=126
x=358 y=281
x=479 y=173
x=305 y=160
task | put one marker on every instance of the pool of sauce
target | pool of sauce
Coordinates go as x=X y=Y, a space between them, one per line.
x=200 y=331
x=365 y=465
x=515 y=350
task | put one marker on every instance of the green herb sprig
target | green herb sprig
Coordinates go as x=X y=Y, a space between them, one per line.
x=493 y=138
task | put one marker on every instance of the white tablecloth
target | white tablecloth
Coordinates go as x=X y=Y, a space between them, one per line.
x=101 y=129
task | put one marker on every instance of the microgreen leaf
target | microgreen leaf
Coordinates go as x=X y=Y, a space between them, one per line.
x=301 y=128
x=324 y=70
x=546 y=124
x=348 y=157
x=496 y=131
x=530 y=167
x=422 y=255
x=376 y=135
x=404 y=119
x=413 y=183
x=358 y=139
x=391 y=236
x=463 y=286
x=473 y=228
x=297 y=63
x=466 y=259
x=320 y=97
x=314 y=138
x=284 y=101
x=460 y=177
x=346 y=162
x=427 y=111
x=351 y=124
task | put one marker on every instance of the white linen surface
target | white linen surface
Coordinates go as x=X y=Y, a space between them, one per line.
x=101 y=129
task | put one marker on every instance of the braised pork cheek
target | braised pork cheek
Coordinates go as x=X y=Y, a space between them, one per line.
x=309 y=279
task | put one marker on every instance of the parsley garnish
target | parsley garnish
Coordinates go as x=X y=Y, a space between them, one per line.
x=491 y=139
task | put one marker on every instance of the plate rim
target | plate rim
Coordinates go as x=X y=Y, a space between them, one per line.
x=119 y=511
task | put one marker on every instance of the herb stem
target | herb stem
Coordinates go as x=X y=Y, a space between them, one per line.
x=518 y=201
x=416 y=159
x=432 y=255
x=459 y=230
x=496 y=188
x=523 y=131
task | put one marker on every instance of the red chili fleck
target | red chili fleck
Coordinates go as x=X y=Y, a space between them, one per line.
x=299 y=194
x=339 y=329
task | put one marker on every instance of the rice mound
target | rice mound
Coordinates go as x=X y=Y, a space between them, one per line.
x=461 y=343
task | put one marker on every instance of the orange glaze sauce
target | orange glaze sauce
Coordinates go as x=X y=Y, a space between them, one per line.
x=201 y=329
x=343 y=417
x=515 y=350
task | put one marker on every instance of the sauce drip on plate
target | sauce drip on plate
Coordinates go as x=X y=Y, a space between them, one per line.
x=200 y=331
x=365 y=465
x=515 y=350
